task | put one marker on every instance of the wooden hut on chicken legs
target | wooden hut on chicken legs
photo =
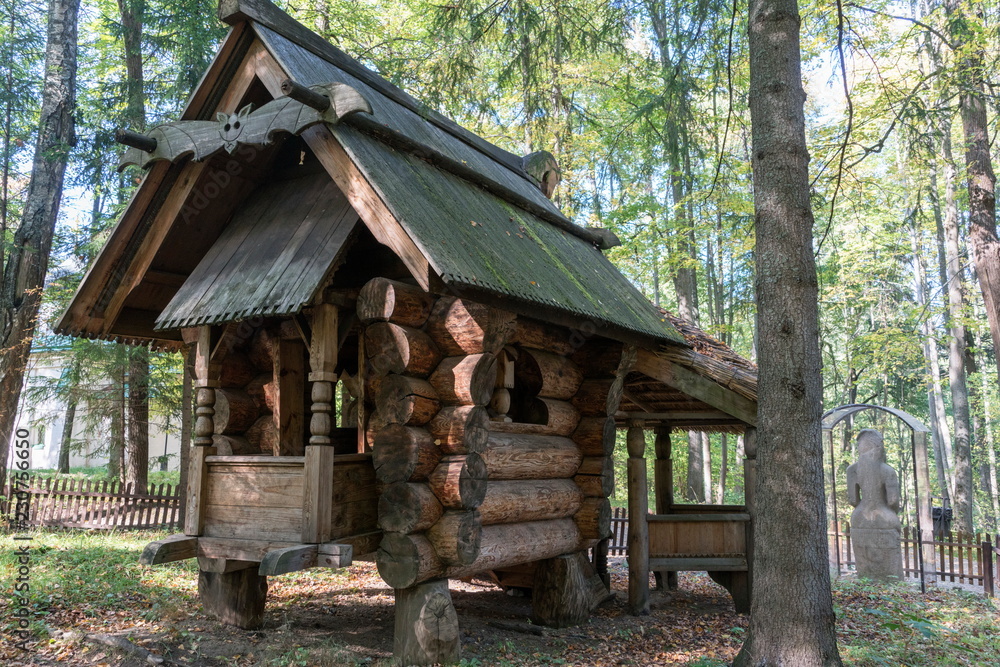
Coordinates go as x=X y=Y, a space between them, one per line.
x=401 y=346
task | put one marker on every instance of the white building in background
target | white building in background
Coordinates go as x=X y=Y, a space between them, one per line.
x=46 y=423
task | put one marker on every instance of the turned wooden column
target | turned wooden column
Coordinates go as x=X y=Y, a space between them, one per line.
x=663 y=490
x=206 y=380
x=638 y=526
x=317 y=499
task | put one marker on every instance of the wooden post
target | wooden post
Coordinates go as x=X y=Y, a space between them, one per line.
x=638 y=526
x=206 y=381
x=986 y=567
x=663 y=480
x=317 y=498
x=426 y=631
x=236 y=598
x=289 y=362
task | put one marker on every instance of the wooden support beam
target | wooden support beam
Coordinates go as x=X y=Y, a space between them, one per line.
x=224 y=565
x=169 y=549
x=699 y=564
x=374 y=212
x=317 y=499
x=289 y=370
x=638 y=529
x=289 y=559
x=305 y=556
x=306 y=96
x=163 y=222
x=194 y=517
x=697 y=386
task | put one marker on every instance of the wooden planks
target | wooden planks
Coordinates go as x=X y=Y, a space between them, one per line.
x=379 y=219
x=697 y=386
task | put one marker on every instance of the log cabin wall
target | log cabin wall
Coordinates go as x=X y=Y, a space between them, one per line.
x=466 y=488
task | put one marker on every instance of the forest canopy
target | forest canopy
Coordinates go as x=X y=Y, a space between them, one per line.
x=644 y=104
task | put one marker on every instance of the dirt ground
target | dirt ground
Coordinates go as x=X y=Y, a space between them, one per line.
x=350 y=623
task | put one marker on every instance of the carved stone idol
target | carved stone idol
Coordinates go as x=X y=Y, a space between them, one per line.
x=873 y=490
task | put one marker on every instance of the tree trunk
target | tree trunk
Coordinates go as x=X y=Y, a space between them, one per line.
x=962 y=444
x=791 y=619
x=27 y=261
x=137 y=452
x=979 y=168
x=67 y=436
x=116 y=450
x=935 y=401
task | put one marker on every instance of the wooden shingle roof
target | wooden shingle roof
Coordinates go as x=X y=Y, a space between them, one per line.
x=463 y=215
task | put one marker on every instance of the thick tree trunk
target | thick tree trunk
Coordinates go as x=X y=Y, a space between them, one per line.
x=964 y=22
x=791 y=618
x=27 y=261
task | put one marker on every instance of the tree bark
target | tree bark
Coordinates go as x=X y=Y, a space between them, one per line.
x=27 y=261
x=67 y=436
x=982 y=201
x=137 y=447
x=935 y=401
x=962 y=443
x=791 y=619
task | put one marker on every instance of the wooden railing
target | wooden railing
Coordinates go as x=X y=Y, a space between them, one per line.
x=95 y=504
x=961 y=558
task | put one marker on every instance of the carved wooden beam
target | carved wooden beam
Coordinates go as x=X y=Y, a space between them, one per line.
x=298 y=111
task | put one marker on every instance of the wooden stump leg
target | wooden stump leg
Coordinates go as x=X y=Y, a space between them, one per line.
x=426 y=631
x=738 y=585
x=671 y=581
x=236 y=598
x=560 y=598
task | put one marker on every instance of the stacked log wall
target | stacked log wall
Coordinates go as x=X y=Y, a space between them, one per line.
x=461 y=493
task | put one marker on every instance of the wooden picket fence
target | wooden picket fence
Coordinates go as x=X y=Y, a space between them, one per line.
x=960 y=558
x=96 y=504
x=619 y=532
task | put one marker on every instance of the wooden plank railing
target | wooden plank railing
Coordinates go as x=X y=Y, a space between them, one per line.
x=961 y=558
x=97 y=504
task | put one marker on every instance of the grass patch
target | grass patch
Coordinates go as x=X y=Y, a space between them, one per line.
x=89 y=573
x=91 y=582
x=896 y=625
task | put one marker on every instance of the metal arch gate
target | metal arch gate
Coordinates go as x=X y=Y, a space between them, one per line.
x=921 y=475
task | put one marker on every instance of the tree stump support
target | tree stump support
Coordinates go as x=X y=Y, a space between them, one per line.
x=426 y=631
x=236 y=598
x=563 y=592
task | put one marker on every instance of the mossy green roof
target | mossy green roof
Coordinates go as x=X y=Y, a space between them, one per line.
x=473 y=238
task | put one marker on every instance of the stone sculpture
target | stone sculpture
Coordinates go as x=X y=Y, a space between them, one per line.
x=873 y=490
